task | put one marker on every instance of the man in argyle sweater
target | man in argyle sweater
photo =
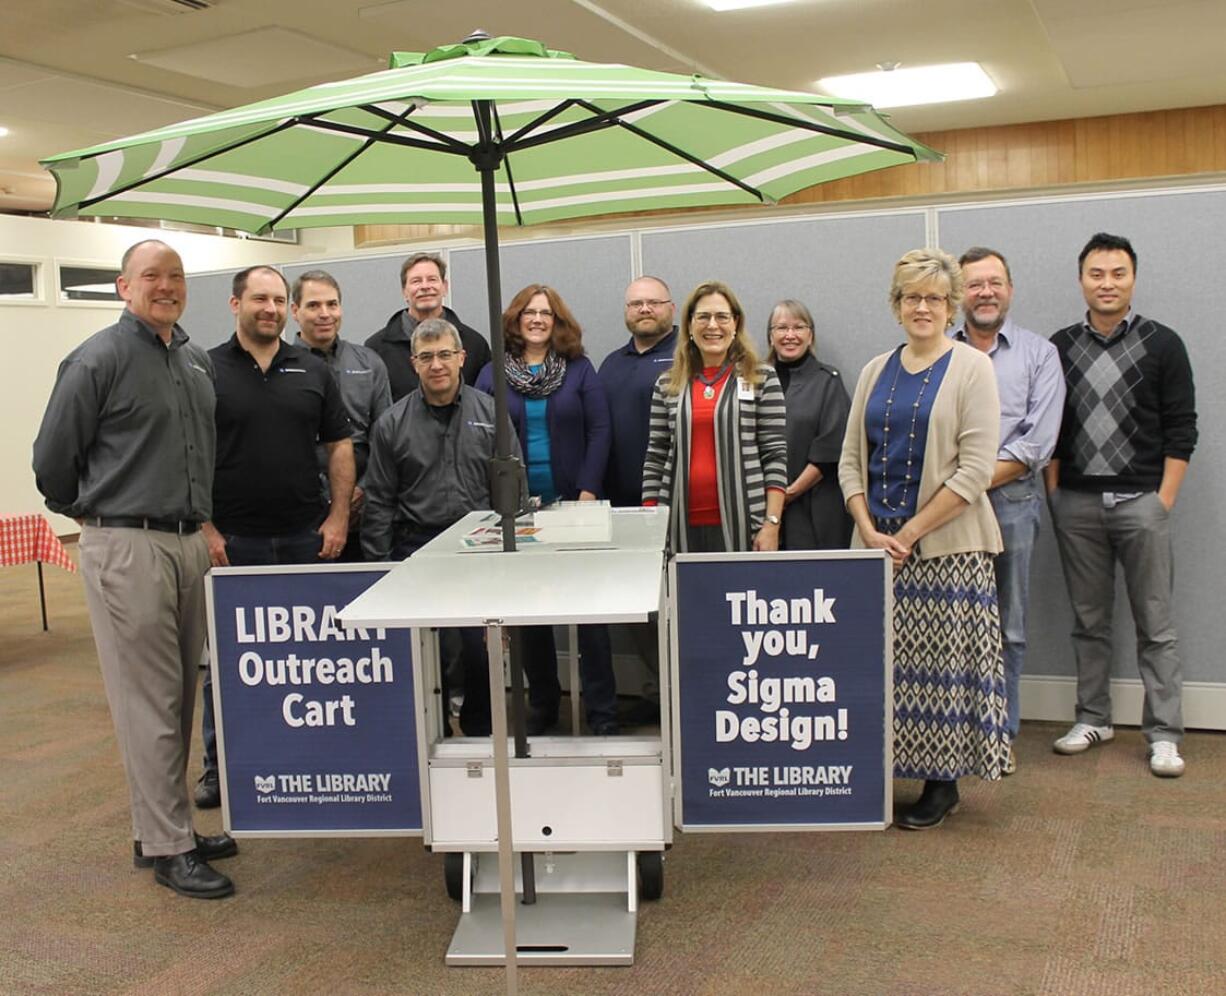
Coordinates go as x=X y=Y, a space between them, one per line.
x=1128 y=432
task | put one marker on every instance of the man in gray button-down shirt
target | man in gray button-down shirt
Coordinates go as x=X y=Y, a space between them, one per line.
x=361 y=376
x=126 y=448
x=1031 y=387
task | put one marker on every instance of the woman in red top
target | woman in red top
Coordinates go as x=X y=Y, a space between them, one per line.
x=717 y=453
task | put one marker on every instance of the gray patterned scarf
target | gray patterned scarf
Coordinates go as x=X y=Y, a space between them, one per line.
x=536 y=385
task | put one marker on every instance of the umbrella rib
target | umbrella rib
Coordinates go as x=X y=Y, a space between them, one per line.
x=379 y=136
x=549 y=115
x=328 y=176
x=602 y=120
x=506 y=165
x=688 y=157
x=91 y=201
x=783 y=119
x=403 y=119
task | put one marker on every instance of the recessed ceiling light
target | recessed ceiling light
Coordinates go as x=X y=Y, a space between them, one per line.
x=723 y=5
x=906 y=87
x=3 y=131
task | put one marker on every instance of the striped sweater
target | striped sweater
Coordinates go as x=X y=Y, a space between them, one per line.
x=750 y=455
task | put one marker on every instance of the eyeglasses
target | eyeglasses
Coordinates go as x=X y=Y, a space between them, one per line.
x=995 y=283
x=718 y=317
x=442 y=355
x=651 y=303
x=932 y=300
x=797 y=328
x=530 y=313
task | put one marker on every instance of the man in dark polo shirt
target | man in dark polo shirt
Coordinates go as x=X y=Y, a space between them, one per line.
x=359 y=374
x=126 y=448
x=423 y=279
x=275 y=402
x=628 y=375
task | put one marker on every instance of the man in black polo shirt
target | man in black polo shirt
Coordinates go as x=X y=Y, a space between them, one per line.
x=423 y=279
x=275 y=401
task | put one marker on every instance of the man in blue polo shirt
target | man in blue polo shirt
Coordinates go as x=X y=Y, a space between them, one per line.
x=275 y=402
x=628 y=376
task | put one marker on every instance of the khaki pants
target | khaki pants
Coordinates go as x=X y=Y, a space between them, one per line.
x=145 y=592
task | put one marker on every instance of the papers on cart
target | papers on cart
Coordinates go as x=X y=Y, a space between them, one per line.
x=586 y=525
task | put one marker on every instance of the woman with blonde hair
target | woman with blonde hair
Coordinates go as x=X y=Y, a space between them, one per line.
x=917 y=459
x=716 y=452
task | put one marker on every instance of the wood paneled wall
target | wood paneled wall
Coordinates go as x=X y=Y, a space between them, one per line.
x=1149 y=145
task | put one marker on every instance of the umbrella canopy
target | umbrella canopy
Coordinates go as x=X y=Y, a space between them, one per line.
x=404 y=146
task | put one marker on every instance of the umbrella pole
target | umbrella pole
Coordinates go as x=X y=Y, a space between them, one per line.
x=505 y=472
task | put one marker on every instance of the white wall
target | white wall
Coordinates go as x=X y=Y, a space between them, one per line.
x=35 y=336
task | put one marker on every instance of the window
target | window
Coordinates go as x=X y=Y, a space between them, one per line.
x=18 y=281
x=88 y=283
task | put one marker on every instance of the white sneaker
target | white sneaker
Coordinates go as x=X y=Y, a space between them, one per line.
x=1164 y=759
x=1082 y=737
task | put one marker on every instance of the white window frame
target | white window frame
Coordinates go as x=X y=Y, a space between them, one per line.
x=40 y=298
x=61 y=302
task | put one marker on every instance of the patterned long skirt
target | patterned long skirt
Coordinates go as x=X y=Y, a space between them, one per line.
x=949 y=678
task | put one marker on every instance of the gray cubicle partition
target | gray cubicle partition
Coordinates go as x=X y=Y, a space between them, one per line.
x=590 y=273
x=1181 y=253
x=840 y=266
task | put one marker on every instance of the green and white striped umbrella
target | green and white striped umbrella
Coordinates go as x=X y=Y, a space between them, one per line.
x=565 y=138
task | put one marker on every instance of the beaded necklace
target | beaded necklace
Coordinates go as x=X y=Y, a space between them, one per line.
x=885 y=444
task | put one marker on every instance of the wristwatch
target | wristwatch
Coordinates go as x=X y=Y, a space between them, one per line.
x=772 y=519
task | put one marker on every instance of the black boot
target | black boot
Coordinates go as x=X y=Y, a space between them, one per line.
x=938 y=800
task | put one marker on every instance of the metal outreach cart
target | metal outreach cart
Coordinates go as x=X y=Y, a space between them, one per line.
x=595 y=811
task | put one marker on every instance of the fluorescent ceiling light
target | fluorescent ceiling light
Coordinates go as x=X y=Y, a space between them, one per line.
x=906 y=87
x=723 y=5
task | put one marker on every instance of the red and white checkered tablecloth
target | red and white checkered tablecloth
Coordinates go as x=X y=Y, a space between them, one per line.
x=26 y=538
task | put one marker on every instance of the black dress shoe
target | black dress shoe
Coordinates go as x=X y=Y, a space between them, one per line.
x=220 y=845
x=606 y=728
x=208 y=791
x=638 y=712
x=938 y=800
x=189 y=876
x=541 y=719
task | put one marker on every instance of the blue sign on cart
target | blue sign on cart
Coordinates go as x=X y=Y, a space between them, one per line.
x=316 y=720
x=784 y=690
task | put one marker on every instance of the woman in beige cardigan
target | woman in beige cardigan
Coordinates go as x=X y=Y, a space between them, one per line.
x=917 y=458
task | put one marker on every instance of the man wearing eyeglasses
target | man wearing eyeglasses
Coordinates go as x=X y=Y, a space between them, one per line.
x=429 y=467
x=628 y=375
x=1031 y=387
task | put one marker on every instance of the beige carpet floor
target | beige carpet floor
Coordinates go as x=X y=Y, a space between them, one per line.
x=1077 y=876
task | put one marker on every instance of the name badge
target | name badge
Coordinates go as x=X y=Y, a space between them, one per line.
x=744 y=390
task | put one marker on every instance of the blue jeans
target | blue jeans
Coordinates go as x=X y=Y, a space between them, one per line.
x=254 y=551
x=1017 y=506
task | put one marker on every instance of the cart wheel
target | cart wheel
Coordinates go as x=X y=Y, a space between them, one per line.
x=651 y=874
x=453 y=874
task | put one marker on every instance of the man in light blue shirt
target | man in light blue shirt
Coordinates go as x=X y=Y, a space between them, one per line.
x=1031 y=386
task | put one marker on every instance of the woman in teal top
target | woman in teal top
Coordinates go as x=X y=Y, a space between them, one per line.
x=559 y=409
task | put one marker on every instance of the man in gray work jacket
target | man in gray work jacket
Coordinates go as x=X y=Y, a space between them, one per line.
x=126 y=448
x=361 y=376
x=429 y=467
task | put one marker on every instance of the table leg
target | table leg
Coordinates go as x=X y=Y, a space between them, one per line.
x=502 y=796
x=42 y=594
